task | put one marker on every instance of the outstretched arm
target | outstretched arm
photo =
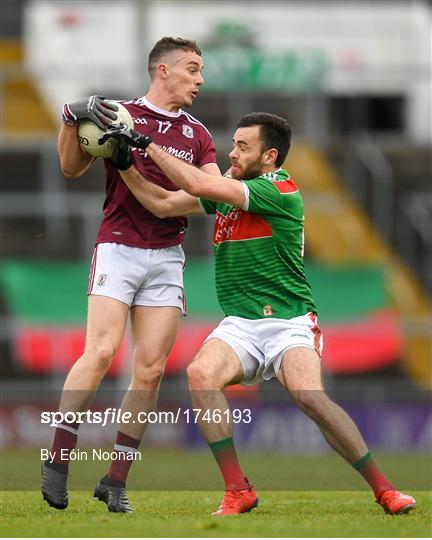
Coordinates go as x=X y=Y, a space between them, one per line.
x=192 y=180
x=195 y=181
x=159 y=201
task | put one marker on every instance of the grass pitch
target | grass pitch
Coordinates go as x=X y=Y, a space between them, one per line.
x=186 y=514
x=168 y=512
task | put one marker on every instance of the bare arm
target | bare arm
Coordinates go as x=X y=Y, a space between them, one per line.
x=211 y=168
x=74 y=160
x=198 y=182
x=194 y=181
x=159 y=201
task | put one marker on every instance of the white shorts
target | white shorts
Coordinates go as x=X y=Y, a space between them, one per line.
x=138 y=276
x=260 y=344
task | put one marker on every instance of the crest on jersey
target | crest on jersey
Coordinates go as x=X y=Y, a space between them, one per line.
x=267 y=310
x=188 y=131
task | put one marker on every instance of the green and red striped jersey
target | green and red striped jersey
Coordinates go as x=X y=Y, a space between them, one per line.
x=259 y=251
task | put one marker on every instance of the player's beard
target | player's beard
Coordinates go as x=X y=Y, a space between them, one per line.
x=253 y=170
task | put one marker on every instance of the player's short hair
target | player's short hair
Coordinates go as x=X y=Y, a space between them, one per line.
x=166 y=45
x=275 y=132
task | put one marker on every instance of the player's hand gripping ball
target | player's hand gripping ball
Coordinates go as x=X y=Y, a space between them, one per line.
x=89 y=134
x=127 y=140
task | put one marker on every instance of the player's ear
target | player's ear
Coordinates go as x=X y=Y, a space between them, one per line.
x=163 y=71
x=270 y=156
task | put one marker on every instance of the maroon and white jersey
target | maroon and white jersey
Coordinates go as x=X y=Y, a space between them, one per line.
x=125 y=220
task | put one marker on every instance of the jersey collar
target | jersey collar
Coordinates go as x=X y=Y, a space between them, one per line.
x=146 y=102
x=278 y=172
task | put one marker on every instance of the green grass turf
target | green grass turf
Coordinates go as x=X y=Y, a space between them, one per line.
x=183 y=514
x=195 y=470
x=173 y=493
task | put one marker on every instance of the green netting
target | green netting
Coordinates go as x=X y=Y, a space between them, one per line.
x=55 y=292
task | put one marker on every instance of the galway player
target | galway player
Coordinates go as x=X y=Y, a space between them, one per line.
x=271 y=328
x=137 y=265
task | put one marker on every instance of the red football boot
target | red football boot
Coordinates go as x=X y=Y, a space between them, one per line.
x=238 y=502
x=395 y=502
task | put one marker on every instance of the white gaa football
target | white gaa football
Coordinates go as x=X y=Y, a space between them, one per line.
x=89 y=133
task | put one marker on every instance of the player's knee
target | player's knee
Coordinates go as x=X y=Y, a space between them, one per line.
x=100 y=356
x=148 y=377
x=311 y=402
x=201 y=377
x=194 y=373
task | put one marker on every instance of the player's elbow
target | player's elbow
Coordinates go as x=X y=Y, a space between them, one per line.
x=73 y=168
x=69 y=172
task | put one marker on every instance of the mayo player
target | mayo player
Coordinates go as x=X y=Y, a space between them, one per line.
x=271 y=328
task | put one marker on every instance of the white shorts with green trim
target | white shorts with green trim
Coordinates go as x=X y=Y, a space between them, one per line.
x=260 y=344
x=138 y=276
